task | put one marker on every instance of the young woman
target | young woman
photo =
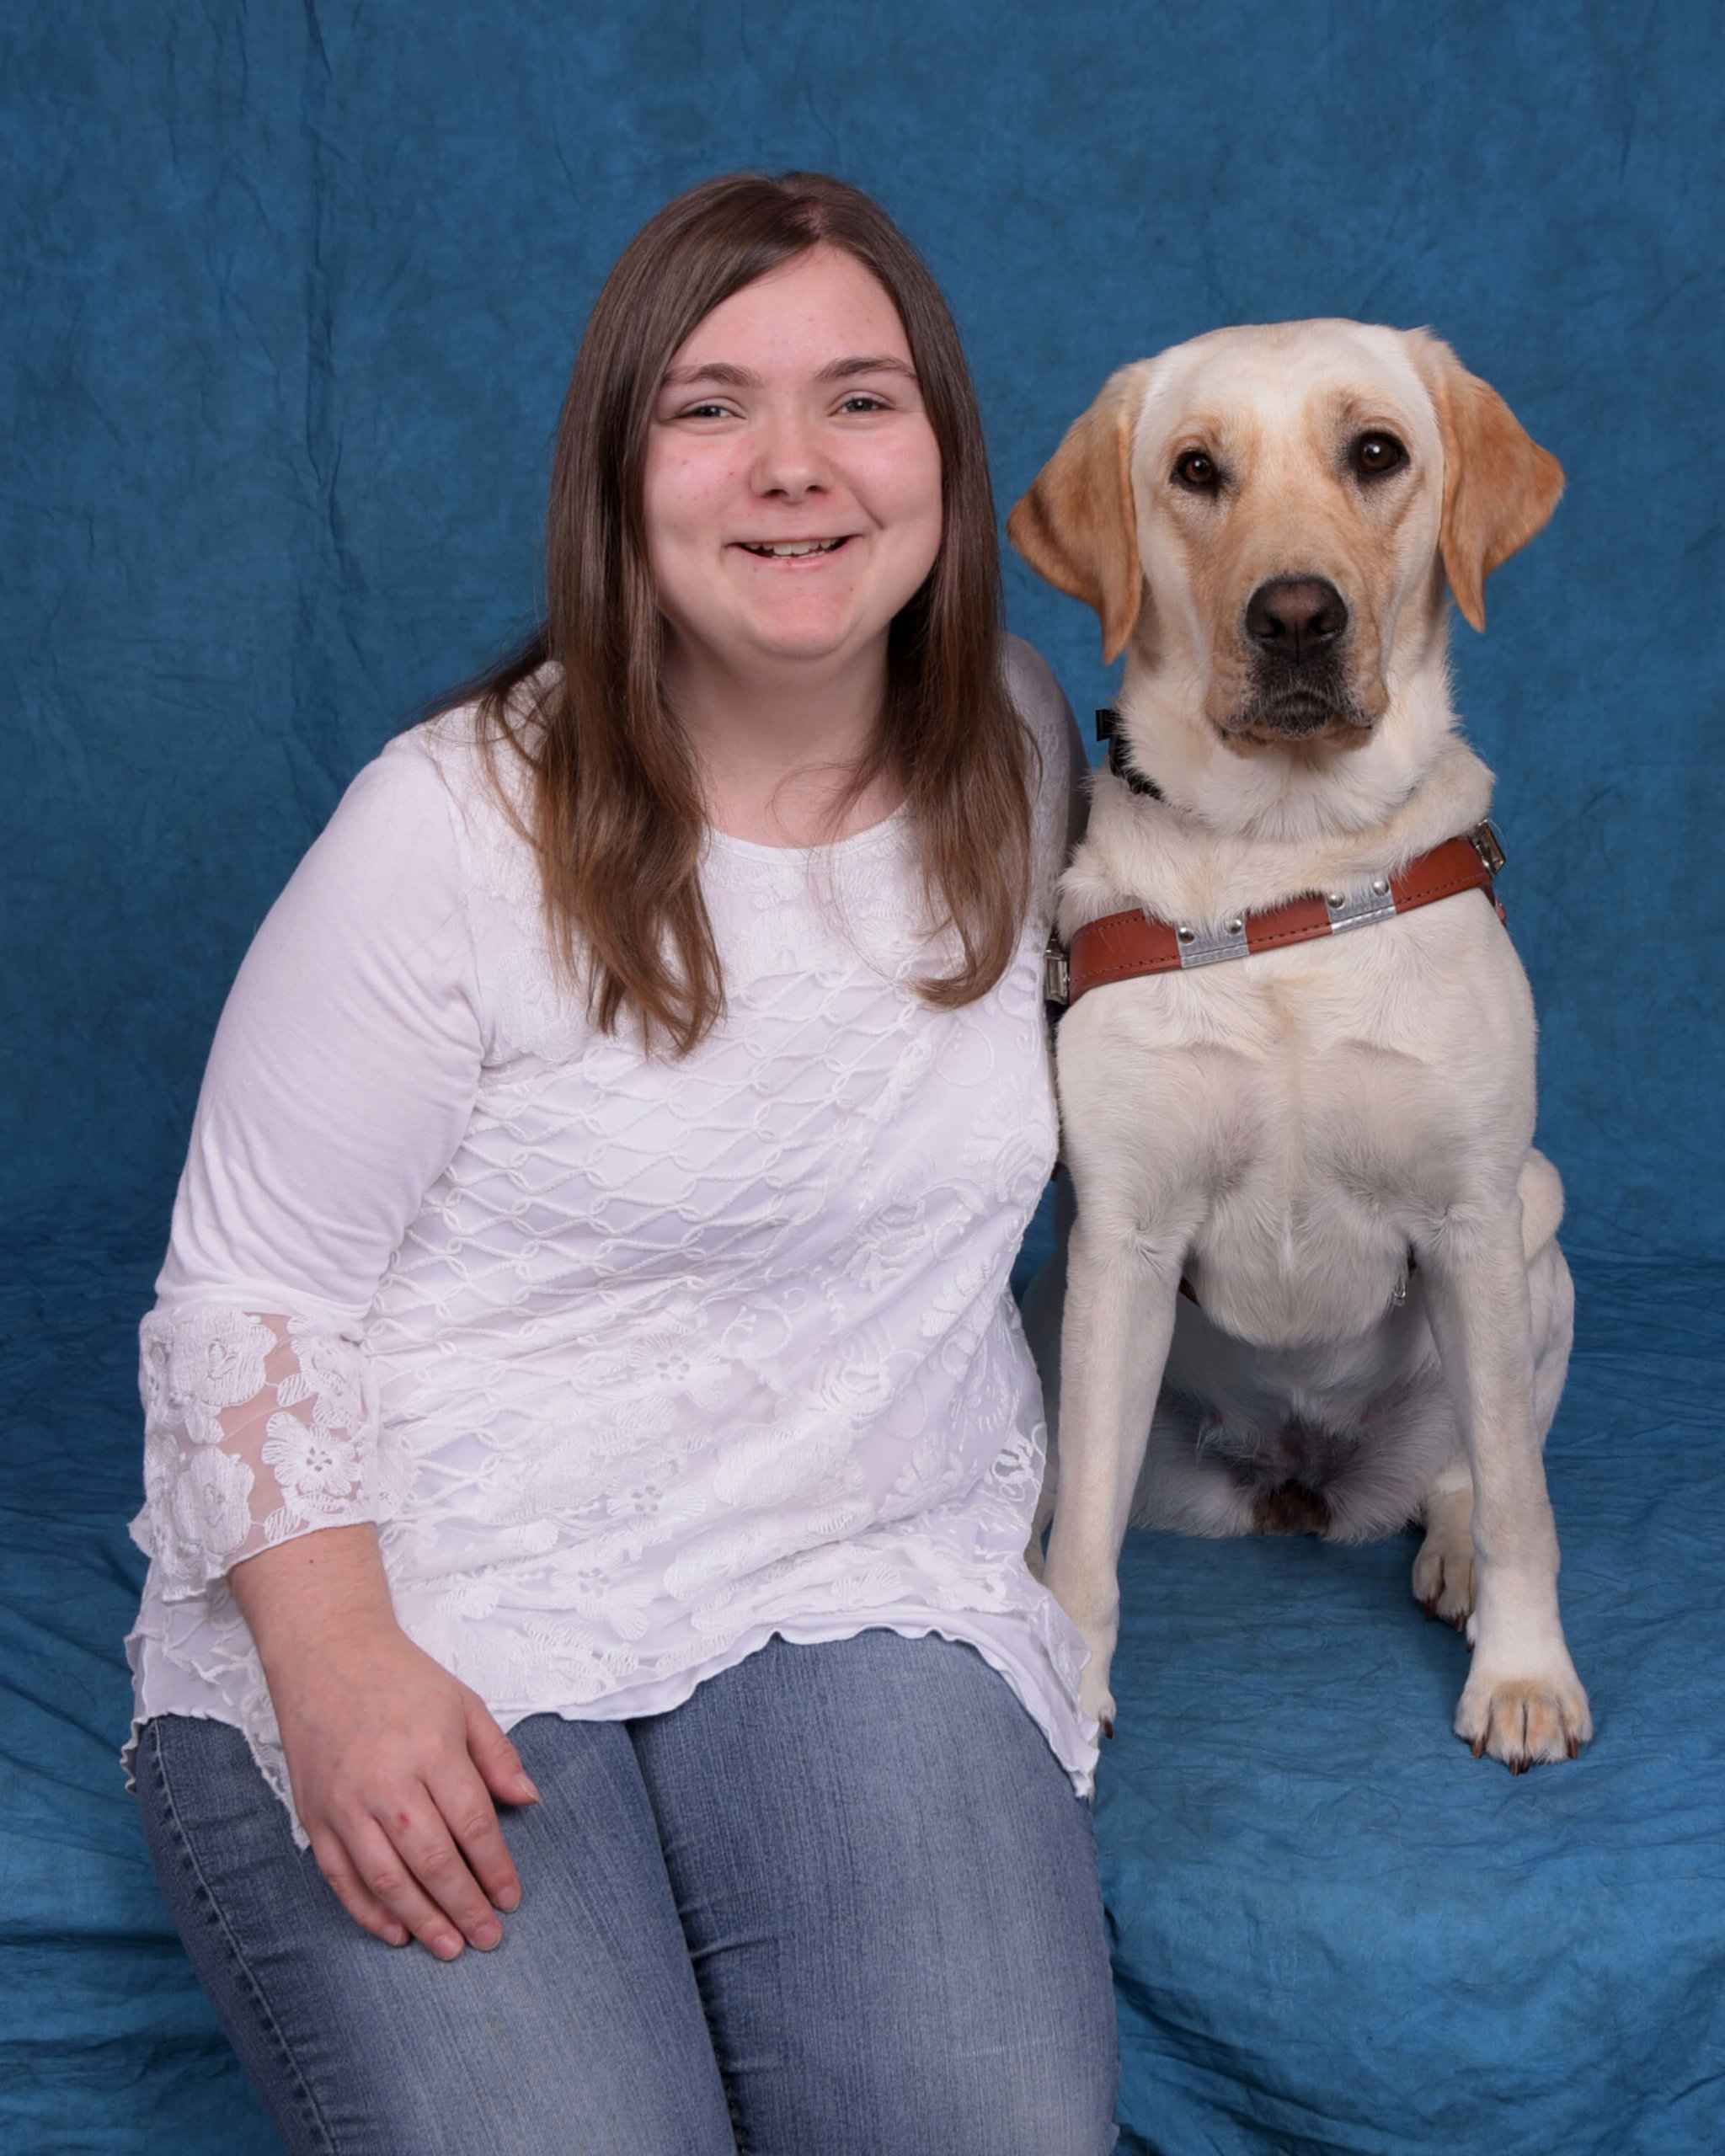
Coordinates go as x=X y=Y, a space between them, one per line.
x=586 y=1314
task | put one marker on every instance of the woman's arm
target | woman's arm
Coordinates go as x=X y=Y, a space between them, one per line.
x=342 y=1078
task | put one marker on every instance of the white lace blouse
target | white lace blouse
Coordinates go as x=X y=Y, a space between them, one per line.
x=634 y=1361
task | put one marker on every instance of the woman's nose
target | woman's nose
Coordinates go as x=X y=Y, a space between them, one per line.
x=789 y=459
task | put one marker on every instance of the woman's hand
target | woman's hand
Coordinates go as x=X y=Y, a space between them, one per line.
x=394 y=1763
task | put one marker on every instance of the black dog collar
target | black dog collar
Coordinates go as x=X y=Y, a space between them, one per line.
x=1105 y=719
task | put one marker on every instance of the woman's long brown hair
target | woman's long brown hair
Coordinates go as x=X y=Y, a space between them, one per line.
x=615 y=810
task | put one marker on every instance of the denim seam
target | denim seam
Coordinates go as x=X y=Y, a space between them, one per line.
x=272 y=2028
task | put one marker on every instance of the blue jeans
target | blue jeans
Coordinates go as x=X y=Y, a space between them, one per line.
x=842 y=1899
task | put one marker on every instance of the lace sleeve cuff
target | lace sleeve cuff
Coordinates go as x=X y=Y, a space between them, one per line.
x=257 y=1428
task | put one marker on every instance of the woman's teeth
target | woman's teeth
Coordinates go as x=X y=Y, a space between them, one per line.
x=787 y=548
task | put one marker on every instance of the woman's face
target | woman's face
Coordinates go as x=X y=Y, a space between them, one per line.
x=792 y=487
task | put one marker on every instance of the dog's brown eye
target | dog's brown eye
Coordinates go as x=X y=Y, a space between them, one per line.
x=1374 y=455
x=1197 y=471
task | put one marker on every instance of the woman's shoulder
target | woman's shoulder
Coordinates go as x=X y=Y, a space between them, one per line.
x=477 y=762
x=442 y=807
x=477 y=752
x=390 y=828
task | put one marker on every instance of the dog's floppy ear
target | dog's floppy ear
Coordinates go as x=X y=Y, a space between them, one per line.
x=1077 y=525
x=1499 y=486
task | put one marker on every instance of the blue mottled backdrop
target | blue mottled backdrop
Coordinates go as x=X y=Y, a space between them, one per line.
x=289 y=293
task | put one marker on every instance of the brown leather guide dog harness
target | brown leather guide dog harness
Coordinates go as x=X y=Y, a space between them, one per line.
x=1122 y=946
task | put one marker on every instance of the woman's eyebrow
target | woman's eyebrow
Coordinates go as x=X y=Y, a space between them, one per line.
x=727 y=377
x=842 y=370
x=718 y=371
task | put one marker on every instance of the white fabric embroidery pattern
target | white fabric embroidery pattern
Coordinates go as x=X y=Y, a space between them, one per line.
x=229 y=1394
x=659 y=1357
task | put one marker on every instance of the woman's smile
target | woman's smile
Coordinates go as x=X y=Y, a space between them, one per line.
x=791 y=550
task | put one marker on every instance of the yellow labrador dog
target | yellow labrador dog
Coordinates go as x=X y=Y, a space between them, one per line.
x=1313 y=1282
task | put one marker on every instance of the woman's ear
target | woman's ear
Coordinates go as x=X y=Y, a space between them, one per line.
x=1077 y=525
x=1499 y=486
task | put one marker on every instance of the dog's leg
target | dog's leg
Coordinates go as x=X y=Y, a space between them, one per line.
x=1120 y=1318
x=1522 y=1700
x=1443 y=1572
x=1551 y=1290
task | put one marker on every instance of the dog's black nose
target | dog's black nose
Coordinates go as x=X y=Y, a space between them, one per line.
x=1291 y=617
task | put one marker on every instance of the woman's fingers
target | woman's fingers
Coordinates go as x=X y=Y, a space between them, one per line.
x=466 y=1811
x=387 y=1878
x=401 y=1875
x=499 y=1762
x=354 y=1897
x=424 y=1849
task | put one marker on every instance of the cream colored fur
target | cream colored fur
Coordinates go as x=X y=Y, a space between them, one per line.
x=1286 y=1130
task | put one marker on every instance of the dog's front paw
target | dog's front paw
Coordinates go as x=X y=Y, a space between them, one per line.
x=1443 y=1577
x=1094 y=1697
x=1092 y=1602
x=1523 y=1721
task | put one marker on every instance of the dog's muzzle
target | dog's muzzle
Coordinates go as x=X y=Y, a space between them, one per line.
x=1296 y=628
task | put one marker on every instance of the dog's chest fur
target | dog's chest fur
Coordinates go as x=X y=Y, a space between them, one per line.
x=1296 y=1120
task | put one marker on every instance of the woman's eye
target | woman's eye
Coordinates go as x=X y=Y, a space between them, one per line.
x=1374 y=455
x=1196 y=470
x=864 y=401
x=705 y=412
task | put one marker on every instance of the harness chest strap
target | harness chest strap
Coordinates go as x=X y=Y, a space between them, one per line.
x=1122 y=946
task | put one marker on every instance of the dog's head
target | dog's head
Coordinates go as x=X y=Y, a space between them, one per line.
x=1267 y=516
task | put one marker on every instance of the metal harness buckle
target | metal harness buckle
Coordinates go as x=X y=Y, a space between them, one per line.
x=1487 y=845
x=1056 y=972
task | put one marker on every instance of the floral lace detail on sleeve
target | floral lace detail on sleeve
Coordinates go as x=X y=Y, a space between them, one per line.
x=257 y=1428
